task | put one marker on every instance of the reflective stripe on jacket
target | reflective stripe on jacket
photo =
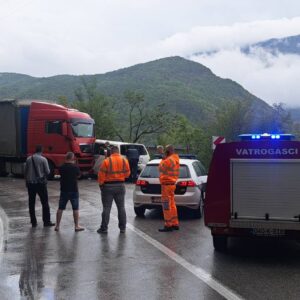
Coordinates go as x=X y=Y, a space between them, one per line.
x=113 y=168
x=169 y=169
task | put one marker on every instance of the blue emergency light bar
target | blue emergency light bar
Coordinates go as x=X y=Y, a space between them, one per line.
x=266 y=136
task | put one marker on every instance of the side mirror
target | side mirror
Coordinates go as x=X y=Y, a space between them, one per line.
x=64 y=129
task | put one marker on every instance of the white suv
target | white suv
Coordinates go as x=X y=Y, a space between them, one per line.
x=190 y=187
x=123 y=147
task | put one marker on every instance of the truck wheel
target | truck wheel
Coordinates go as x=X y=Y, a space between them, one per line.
x=140 y=211
x=220 y=242
x=52 y=169
x=3 y=172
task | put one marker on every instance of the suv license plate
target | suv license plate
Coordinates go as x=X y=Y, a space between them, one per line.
x=268 y=232
x=156 y=199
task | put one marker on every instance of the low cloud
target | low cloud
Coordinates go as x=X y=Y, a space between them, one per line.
x=272 y=78
x=44 y=38
x=214 y=38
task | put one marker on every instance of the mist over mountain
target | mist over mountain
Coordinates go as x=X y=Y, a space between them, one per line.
x=268 y=68
x=287 y=45
x=274 y=46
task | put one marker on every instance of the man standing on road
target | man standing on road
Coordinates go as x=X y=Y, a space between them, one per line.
x=133 y=156
x=168 y=175
x=36 y=172
x=69 y=173
x=111 y=177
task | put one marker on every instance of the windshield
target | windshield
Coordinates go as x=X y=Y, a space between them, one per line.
x=83 y=129
x=151 y=171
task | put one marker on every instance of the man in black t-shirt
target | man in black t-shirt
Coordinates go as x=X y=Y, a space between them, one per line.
x=69 y=173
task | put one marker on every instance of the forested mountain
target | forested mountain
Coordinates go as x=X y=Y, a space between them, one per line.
x=185 y=87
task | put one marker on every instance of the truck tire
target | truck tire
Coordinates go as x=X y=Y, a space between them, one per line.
x=3 y=172
x=140 y=211
x=220 y=242
x=52 y=170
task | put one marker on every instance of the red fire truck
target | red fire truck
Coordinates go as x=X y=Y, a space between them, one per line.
x=253 y=189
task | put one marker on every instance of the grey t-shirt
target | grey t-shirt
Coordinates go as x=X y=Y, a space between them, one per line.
x=42 y=168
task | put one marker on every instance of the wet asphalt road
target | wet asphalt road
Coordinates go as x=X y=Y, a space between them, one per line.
x=40 y=263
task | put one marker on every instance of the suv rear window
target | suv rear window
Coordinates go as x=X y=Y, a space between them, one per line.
x=151 y=171
x=140 y=148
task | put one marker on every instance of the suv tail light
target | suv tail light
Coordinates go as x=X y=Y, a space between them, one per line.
x=187 y=183
x=141 y=182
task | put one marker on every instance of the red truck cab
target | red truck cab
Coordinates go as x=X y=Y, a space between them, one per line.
x=253 y=189
x=59 y=130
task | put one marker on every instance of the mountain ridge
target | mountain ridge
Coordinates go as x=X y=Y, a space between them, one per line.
x=275 y=46
x=185 y=87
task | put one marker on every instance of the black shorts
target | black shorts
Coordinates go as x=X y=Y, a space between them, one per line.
x=65 y=197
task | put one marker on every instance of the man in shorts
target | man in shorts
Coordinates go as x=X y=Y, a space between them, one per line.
x=69 y=174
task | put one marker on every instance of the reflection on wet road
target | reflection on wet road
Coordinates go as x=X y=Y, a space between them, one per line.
x=39 y=263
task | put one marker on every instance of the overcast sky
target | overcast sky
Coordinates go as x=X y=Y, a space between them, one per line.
x=49 y=37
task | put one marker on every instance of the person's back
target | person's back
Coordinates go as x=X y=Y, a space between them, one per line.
x=36 y=171
x=36 y=167
x=112 y=174
x=132 y=154
x=69 y=174
x=133 y=158
x=68 y=177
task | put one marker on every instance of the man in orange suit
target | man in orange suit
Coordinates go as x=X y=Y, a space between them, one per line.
x=168 y=175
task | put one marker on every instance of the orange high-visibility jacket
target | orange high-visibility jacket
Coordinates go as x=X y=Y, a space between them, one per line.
x=113 y=168
x=169 y=169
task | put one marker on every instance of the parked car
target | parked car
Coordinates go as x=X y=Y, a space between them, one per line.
x=190 y=187
x=123 y=147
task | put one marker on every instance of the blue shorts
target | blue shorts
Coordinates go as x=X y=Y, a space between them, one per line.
x=65 y=197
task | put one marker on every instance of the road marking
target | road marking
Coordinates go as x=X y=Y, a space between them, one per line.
x=1 y=235
x=198 y=272
x=3 y=229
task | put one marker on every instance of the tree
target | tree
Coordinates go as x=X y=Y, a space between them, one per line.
x=279 y=120
x=140 y=120
x=195 y=139
x=63 y=100
x=231 y=120
x=99 y=107
x=181 y=133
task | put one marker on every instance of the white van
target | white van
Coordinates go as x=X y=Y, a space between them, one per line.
x=99 y=153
